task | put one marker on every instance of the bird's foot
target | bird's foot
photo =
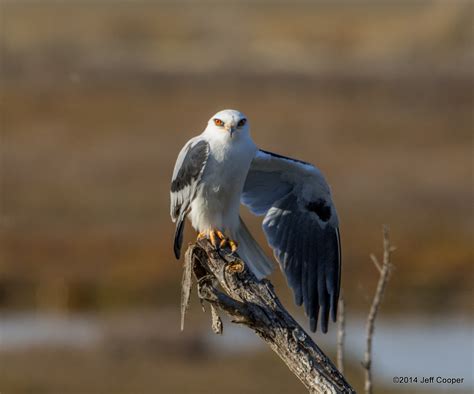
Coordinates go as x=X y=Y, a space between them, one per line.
x=216 y=237
x=227 y=242
x=213 y=235
x=201 y=235
x=220 y=241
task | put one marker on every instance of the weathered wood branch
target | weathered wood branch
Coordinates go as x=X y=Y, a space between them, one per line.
x=384 y=270
x=225 y=282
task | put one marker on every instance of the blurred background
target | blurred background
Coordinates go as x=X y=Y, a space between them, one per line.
x=97 y=99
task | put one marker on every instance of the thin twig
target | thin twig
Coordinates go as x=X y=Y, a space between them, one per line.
x=341 y=334
x=384 y=271
x=224 y=281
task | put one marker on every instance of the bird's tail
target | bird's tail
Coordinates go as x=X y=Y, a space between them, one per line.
x=178 y=236
x=251 y=252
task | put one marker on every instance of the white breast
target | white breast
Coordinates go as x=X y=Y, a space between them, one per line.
x=217 y=201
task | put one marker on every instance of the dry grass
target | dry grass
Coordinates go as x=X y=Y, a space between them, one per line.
x=97 y=101
x=87 y=169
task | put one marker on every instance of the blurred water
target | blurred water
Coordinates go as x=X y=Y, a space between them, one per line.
x=409 y=347
x=403 y=347
x=419 y=348
x=24 y=330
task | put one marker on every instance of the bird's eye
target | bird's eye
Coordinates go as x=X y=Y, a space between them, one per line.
x=241 y=122
x=218 y=122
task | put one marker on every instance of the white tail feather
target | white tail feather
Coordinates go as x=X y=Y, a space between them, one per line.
x=251 y=252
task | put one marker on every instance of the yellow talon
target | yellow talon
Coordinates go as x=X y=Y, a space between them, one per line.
x=233 y=245
x=219 y=240
x=212 y=237
x=201 y=235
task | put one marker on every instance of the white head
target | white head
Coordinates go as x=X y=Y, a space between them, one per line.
x=228 y=123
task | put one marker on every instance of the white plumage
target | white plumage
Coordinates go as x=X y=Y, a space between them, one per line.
x=217 y=201
x=221 y=168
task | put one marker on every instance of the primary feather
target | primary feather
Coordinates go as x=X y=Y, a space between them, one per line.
x=301 y=226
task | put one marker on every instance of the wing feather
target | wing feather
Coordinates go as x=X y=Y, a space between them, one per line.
x=301 y=227
x=186 y=177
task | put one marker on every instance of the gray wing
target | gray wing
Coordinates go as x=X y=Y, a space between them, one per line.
x=301 y=226
x=186 y=177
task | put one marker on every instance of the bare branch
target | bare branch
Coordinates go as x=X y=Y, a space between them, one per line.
x=225 y=282
x=384 y=271
x=341 y=334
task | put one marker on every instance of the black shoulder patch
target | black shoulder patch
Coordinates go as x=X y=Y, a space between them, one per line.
x=320 y=208
x=284 y=157
x=191 y=167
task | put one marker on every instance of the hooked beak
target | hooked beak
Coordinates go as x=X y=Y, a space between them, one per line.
x=231 y=131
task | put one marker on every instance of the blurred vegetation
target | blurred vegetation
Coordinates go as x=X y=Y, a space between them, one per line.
x=98 y=97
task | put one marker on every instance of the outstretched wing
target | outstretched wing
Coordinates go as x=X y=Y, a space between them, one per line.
x=186 y=177
x=301 y=226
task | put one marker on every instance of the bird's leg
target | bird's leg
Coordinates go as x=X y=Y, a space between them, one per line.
x=201 y=235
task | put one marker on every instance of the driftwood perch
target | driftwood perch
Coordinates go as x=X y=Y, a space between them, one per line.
x=225 y=282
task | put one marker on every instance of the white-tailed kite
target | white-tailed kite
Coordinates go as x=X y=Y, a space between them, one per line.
x=221 y=168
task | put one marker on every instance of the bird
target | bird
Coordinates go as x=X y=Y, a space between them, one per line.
x=222 y=168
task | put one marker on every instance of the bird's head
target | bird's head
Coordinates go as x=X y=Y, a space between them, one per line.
x=229 y=122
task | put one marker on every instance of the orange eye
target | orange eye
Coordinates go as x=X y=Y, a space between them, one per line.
x=218 y=122
x=241 y=122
